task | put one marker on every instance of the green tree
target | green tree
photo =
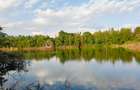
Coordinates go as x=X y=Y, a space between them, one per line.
x=137 y=33
x=88 y=38
x=125 y=35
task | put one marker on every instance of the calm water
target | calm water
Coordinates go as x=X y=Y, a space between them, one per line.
x=86 y=69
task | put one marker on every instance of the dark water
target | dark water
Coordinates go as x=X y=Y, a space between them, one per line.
x=86 y=69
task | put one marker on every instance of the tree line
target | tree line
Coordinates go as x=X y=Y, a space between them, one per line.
x=63 y=39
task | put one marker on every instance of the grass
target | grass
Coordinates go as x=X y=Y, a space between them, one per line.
x=132 y=45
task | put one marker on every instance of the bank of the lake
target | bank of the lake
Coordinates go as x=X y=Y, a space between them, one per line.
x=133 y=46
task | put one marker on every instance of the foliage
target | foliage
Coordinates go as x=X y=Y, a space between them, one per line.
x=64 y=39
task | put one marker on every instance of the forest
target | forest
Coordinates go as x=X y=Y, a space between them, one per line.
x=63 y=39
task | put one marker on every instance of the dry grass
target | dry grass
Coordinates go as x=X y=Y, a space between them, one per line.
x=131 y=46
x=134 y=46
x=27 y=49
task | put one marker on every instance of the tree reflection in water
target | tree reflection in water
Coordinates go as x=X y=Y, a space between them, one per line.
x=10 y=62
x=17 y=62
x=99 y=54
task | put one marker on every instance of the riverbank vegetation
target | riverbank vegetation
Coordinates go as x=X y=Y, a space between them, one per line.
x=123 y=36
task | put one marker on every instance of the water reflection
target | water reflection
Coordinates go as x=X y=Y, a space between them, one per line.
x=9 y=63
x=85 y=69
x=99 y=54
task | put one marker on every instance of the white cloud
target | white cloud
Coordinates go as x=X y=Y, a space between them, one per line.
x=39 y=21
x=4 y=4
x=10 y=4
x=71 y=18
x=74 y=18
x=30 y=3
x=37 y=33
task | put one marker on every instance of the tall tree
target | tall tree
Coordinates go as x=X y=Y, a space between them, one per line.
x=1 y=28
x=88 y=38
x=137 y=33
x=125 y=34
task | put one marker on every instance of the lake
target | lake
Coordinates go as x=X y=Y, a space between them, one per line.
x=75 y=69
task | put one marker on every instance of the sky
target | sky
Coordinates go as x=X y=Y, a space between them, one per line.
x=48 y=17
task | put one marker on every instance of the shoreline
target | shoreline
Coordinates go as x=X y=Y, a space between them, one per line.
x=130 y=46
x=27 y=49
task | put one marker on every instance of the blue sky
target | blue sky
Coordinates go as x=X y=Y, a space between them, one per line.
x=29 y=17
